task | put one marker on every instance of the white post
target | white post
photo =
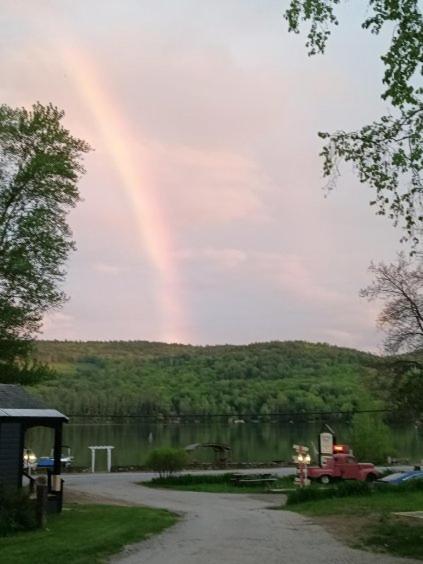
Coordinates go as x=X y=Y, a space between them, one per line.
x=109 y=459
x=109 y=456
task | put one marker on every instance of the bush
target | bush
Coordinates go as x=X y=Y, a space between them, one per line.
x=166 y=461
x=343 y=489
x=410 y=486
x=189 y=479
x=17 y=513
x=354 y=488
x=311 y=493
x=350 y=488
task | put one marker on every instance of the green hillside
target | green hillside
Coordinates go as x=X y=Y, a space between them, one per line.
x=138 y=377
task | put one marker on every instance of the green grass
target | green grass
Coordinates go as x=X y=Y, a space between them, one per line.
x=84 y=534
x=380 y=503
x=217 y=483
x=400 y=538
x=379 y=529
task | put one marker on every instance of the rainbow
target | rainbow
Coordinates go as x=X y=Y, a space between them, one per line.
x=130 y=158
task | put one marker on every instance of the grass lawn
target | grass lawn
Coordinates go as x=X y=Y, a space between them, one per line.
x=368 y=521
x=84 y=534
x=380 y=503
x=217 y=483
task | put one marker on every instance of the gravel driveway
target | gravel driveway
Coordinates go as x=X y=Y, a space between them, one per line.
x=223 y=528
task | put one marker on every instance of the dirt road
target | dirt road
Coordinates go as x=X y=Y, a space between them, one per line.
x=223 y=528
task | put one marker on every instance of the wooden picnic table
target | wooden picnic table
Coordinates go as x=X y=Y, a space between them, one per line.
x=245 y=479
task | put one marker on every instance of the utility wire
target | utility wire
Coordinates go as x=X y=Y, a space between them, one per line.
x=231 y=414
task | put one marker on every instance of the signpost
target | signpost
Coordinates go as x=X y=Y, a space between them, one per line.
x=302 y=459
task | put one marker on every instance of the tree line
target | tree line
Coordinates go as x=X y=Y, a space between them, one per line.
x=123 y=379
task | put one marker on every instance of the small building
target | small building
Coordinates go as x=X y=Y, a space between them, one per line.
x=20 y=411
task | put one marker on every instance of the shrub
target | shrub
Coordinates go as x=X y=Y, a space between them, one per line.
x=166 y=461
x=17 y=513
x=311 y=493
x=410 y=486
x=343 y=489
x=190 y=479
x=353 y=488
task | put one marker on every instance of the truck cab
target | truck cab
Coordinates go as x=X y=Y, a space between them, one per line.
x=343 y=467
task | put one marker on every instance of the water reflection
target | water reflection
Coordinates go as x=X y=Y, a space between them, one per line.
x=250 y=442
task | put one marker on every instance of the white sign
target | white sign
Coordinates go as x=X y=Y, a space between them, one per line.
x=326 y=443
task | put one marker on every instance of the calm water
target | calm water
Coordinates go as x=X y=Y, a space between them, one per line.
x=250 y=442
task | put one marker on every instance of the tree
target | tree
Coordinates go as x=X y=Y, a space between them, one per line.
x=400 y=286
x=371 y=439
x=387 y=154
x=40 y=165
x=403 y=379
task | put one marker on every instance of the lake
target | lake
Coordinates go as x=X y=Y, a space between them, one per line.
x=250 y=442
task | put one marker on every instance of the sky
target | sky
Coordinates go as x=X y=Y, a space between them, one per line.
x=204 y=217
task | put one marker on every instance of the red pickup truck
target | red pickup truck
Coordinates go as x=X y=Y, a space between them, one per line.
x=344 y=467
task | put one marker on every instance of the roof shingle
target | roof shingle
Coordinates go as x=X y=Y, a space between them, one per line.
x=15 y=397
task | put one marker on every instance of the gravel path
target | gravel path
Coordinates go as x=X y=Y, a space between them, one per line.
x=223 y=528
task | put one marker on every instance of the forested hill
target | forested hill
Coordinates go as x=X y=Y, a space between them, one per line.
x=139 y=377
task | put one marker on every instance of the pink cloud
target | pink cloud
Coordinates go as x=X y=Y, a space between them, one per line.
x=222 y=258
x=209 y=186
x=228 y=110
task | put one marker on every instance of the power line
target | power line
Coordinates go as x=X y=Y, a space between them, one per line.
x=231 y=414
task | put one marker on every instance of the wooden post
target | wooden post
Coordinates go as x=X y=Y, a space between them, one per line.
x=60 y=500
x=57 y=449
x=41 y=504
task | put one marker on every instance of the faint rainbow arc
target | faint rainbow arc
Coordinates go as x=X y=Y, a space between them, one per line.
x=152 y=228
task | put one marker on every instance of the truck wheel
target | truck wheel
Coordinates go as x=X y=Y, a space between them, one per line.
x=370 y=478
x=324 y=479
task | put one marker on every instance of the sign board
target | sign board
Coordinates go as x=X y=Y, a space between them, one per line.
x=300 y=448
x=326 y=443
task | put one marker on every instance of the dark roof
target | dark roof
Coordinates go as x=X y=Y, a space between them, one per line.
x=18 y=403
x=15 y=397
